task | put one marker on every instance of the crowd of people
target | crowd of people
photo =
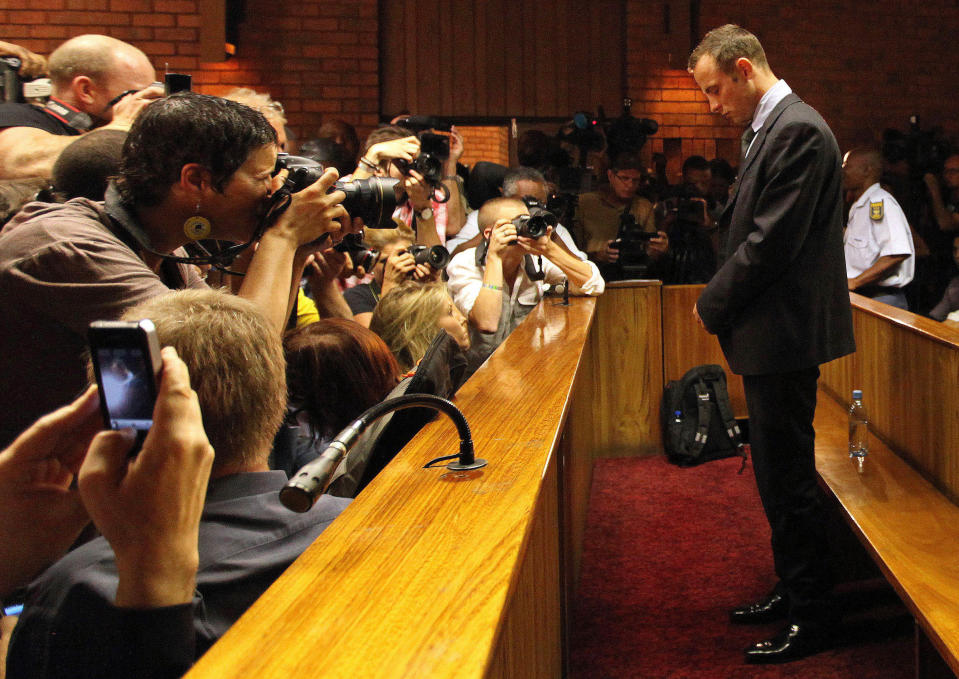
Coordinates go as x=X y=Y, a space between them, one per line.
x=283 y=317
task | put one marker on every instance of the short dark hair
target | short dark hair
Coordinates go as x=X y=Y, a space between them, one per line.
x=695 y=163
x=85 y=166
x=627 y=160
x=515 y=175
x=386 y=133
x=187 y=128
x=726 y=44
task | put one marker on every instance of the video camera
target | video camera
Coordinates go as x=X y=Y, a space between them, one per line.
x=14 y=89
x=923 y=150
x=631 y=240
x=373 y=200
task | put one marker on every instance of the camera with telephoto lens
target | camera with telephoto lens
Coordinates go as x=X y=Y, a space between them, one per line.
x=361 y=254
x=373 y=200
x=631 y=240
x=437 y=256
x=537 y=222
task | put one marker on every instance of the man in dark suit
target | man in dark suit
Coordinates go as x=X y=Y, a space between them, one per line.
x=779 y=305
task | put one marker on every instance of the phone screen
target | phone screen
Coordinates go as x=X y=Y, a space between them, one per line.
x=127 y=387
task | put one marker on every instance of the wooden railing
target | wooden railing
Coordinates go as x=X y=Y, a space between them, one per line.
x=437 y=574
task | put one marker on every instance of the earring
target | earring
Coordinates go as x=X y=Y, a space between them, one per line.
x=197 y=227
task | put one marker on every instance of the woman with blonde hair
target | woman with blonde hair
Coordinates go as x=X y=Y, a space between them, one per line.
x=411 y=314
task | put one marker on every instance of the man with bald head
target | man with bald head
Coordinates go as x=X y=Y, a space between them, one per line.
x=880 y=254
x=89 y=75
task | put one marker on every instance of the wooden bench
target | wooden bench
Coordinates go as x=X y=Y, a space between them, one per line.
x=902 y=507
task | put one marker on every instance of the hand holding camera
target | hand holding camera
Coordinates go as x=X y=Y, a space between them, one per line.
x=501 y=238
x=313 y=212
x=405 y=149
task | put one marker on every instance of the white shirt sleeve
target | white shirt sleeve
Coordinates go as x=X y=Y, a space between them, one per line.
x=465 y=280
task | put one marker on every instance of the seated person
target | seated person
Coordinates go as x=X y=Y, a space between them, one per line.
x=193 y=167
x=97 y=81
x=246 y=537
x=335 y=370
x=432 y=221
x=600 y=214
x=880 y=255
x=492 y=283
x=950 y=300
x=409 y=317
x=143 y=507
x=518 y=182
x=722 y=177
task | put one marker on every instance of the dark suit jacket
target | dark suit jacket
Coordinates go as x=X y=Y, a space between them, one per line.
x=779 y=301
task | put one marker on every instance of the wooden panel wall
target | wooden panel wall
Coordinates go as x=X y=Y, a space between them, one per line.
x=621 y=398
x=498 y=58
x=908 y=369
x=688 y=345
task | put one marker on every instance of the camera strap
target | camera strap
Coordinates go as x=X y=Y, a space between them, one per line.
x=68 y=115
x=534 y=272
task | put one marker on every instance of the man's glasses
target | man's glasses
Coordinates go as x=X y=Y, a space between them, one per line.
x=626 y=179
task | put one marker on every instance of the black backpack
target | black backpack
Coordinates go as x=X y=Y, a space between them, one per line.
x=698 y=422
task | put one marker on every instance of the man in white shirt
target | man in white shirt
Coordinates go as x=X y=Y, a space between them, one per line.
x=880 y=255
x=496 y=290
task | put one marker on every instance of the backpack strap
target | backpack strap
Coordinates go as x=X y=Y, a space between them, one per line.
x=729 y=420
x=702 y=417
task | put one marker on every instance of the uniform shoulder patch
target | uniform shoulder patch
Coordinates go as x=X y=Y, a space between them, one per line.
x=875 y=211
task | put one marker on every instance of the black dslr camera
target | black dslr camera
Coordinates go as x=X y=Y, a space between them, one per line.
x=437 y=256
x=434 y=151
x=373 y=200
x=537 y=222
x=361 y=254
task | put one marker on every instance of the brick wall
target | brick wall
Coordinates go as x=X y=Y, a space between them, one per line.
x=865 y=66
x=490 y=143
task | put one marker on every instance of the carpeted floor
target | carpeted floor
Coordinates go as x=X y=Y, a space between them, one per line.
x=668 y=551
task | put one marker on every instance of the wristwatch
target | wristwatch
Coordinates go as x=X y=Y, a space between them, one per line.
x=425 y=213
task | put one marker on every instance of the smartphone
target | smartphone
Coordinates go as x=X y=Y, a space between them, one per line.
x=127 y=363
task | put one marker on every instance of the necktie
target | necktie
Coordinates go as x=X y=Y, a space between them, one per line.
x=746 y=140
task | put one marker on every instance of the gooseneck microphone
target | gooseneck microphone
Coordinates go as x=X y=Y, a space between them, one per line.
x=303 y=489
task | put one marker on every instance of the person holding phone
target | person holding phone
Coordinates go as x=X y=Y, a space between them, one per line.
x=147 y=508
x=71 y=625
x=193 y=167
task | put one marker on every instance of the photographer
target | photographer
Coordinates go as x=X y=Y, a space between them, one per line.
x=192 y=164
x=394 y=266
x=598 y=215
x=685 y=216
x=498 y=283
x=31 y=65
x=97 y=81
x=432 y=221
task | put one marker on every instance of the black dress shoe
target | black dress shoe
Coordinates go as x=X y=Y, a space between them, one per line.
x=793 y=643
x=774 y=607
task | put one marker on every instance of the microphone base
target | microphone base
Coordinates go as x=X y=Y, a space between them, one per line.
x=457 y=467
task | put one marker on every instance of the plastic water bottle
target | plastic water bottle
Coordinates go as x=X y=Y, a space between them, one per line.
x=858 y=430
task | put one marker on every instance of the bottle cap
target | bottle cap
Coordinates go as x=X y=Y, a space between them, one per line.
x=856 y=394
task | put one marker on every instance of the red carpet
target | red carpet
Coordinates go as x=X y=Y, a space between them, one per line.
x=668 y=551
